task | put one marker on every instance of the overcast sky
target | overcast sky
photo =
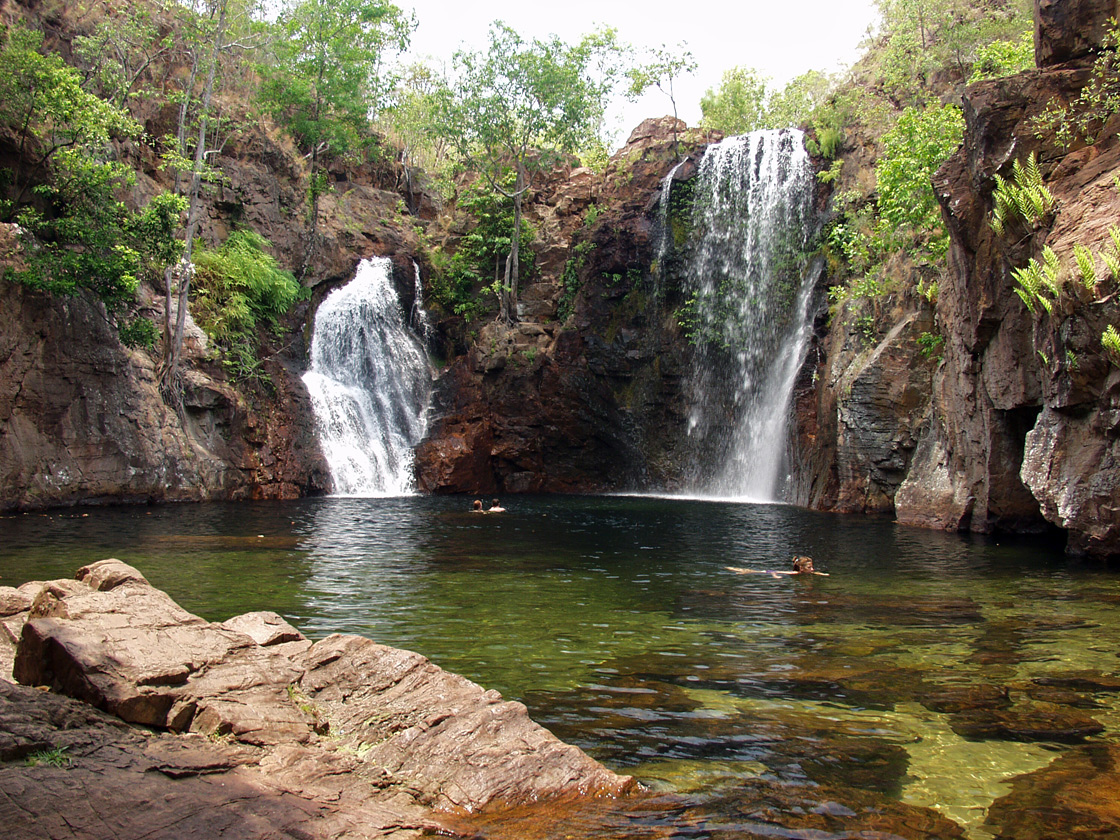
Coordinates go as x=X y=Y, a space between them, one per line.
x=780 y=38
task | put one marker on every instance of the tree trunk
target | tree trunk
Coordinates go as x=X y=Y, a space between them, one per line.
x=171 y=369
x=513 y=266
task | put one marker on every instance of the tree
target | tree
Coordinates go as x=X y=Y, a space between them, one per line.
x=518 y=106
x=661 y=70
x=63 y=188
x=326 y=79
x=913 y=150
x=739 y=106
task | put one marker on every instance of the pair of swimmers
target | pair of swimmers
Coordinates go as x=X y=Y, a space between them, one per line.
x=495 y=507
x=801 y=566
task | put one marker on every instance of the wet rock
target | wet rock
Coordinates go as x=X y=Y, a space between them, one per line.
x=1074 y=798
x=321 y=721
x=960 y=698
x=1081 y=681
x=1025 y=722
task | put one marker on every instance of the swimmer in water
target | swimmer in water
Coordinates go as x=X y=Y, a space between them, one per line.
x=801 y=566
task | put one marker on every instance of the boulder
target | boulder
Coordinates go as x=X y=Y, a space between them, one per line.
x=319 y=720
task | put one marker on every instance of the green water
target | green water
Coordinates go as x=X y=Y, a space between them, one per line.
x=754 y=706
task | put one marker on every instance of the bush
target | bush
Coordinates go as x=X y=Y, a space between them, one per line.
x=236 y=287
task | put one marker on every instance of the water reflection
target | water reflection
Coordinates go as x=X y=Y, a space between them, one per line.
x=926 y=671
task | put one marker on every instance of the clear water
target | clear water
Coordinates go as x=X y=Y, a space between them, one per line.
x=755 y=706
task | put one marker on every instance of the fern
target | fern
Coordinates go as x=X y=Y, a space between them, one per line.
x=1025 y=196
x=1086 y=267
x=1110 y=339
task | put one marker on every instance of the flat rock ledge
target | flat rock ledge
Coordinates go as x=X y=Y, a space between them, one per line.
x=137 y=719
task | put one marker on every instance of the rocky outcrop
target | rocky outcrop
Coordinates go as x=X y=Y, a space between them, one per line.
x=82 y=419
x=1022 y=427
x=1066 y=30
x=341 y=737
x=591 y=403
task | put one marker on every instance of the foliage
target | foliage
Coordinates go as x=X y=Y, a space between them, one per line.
x=1040 y=284
x=140 y=332
x=55 y=123
x=1083 y=118
x=124 y=47
x=238 y=286
x=1037 y=284
x=663 y=66
x=1023 y=197
x=931 y=345
x=912 y=152
x=571 y=278
x=409 y=121
x=478 y=260
x=922 y=38
x=326 y=76
x=745 y=102
x=1003 y=58
x=55 y=757
x=63 y=192
x=739 y=105
x=1110 y=340
x=519 y=106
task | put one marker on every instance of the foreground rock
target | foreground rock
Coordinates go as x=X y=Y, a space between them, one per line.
x=343 y=737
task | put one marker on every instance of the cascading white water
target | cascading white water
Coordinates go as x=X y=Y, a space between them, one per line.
x=750 y=286
x=370 y=384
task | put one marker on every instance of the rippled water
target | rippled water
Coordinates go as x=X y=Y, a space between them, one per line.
x=754 y=706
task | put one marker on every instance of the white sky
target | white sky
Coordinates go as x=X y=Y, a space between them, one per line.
x=780 y=38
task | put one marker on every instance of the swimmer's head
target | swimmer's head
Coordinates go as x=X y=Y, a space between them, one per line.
x=803 y=565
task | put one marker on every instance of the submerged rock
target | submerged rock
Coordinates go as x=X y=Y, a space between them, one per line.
x=1074 y=797
x=327 y=736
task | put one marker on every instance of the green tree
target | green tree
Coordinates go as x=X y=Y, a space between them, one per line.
x=126 y=45
x=745 y=102
x=913 y=150
x=661 y=69
x=326 y=79
x=63 y=188
x=409 y=121
x=518 y=106
x=739 y=105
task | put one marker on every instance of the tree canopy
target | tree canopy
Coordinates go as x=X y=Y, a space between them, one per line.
x=515 y=107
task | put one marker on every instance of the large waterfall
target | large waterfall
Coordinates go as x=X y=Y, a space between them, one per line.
x=748 y=287
x=370 y=383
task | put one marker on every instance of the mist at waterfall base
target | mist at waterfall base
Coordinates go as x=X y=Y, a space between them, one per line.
x=748 y=282
x=370 y=384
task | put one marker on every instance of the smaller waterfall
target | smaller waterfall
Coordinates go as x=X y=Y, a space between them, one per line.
x=750 y=286
x=370 y=383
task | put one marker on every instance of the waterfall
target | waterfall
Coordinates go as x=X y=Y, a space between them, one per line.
x=370 y=383
x=748 y=285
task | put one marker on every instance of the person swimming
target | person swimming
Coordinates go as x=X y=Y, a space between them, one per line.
x=496 y=507
x=802 y=565
x=477 y=506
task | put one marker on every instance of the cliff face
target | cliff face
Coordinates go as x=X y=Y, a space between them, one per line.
x=592 y=403
x=1017 y=427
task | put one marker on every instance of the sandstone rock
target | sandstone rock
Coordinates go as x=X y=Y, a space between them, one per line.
x=264 y=628
x=1011 y=441
x=1026 y=721
x=320 y=721
x=122 y=783
x=1065 y=30
x=1074 y=797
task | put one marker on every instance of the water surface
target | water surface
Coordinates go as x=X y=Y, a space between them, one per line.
x=755 y=706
